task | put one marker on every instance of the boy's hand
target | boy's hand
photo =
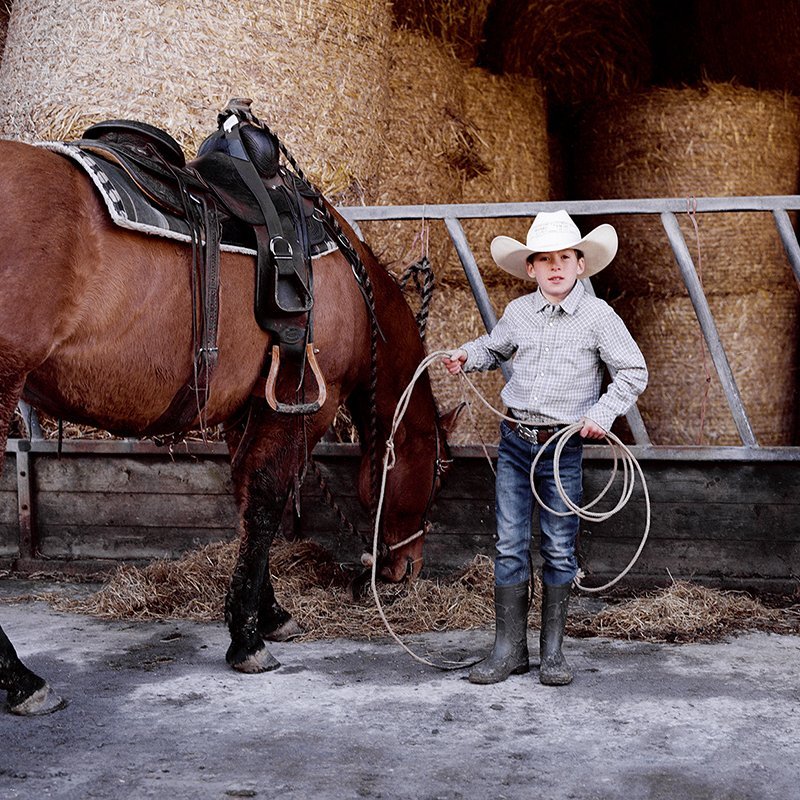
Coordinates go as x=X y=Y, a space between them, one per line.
x=454 y=362
x=591 y=430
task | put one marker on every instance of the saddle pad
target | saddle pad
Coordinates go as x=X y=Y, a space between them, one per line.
x=130 y=209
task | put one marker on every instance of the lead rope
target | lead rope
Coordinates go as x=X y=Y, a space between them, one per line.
x=621 y=455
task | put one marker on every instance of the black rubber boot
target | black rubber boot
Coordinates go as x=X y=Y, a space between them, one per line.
x=553 y=668
x=509 y=655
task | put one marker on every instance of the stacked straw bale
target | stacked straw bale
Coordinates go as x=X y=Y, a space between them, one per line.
x=509 y=159
x=316 y=72
x=581 y=49
x=455 y=319
x=716 y=140
x=505 y=160
x=422 y=144
x=754 y=42
x=459 y=24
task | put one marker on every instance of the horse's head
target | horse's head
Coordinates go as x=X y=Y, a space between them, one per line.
x=417 y=478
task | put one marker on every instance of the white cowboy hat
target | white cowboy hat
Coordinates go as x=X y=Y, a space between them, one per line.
x=551 y=231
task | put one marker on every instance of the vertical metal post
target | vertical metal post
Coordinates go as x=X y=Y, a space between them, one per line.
x=28 y=544
x=708 y=327
x=784 y=225
x=485 y=307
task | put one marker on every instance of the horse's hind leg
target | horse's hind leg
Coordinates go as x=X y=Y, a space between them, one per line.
x=262 y=477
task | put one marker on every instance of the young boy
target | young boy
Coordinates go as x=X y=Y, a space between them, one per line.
x=560 y=337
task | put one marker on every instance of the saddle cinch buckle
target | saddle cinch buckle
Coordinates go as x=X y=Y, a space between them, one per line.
x=289 y=292
x=272 y=379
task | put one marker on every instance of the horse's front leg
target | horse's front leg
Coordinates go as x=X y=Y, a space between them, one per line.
x=261 y=507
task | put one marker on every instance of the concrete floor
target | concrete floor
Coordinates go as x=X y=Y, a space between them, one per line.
x=155 y=713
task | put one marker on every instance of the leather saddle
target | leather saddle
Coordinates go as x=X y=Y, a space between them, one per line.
x=235 y=191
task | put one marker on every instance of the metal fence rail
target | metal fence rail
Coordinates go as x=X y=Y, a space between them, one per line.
x=667 y=208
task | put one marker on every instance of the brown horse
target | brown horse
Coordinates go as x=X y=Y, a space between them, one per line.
x=95 y=327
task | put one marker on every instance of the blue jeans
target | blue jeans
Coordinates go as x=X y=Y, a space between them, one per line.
x=514 y=509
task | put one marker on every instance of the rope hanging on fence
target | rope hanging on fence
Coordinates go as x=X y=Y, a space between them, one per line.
x=621 y=454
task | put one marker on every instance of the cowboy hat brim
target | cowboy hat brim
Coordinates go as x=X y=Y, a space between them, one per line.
x=598 y=247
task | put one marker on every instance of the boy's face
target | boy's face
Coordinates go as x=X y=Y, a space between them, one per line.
x=556 y=272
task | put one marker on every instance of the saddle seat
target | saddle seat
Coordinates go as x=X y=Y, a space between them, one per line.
x=234 y=189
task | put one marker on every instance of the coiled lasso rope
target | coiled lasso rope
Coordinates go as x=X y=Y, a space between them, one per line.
x=621 y=455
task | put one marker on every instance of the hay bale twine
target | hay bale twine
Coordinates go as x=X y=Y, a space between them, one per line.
x=716 y=140
x=421 y=147
x=316 y=72
x=684 y=403
x=454 y=319
x=581 y=49
x=508 y=159
x=458 y=24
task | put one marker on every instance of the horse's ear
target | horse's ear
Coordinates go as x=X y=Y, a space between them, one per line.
x=448 y=419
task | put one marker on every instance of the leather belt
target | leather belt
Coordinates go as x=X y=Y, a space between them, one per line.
x=535 y=434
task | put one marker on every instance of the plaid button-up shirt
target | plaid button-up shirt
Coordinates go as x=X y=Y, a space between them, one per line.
x=559 y=352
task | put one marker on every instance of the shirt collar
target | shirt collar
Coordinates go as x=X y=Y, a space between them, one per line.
x=569 y=303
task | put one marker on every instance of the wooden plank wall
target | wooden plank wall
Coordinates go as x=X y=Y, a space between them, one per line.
x=720 y=523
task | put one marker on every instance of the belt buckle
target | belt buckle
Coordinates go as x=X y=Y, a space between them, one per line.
x=528 y=433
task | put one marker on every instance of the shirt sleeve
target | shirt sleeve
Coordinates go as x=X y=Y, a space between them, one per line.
x=628 y=371
x=488 y=351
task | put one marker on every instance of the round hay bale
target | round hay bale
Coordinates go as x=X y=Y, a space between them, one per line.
x=684 y=403
x=508 y=160
x=454 y=319
x=581 y=49
x=422 y=144
x=742 y=40
x=717 y=140
x=315 y=71
x=458 y=24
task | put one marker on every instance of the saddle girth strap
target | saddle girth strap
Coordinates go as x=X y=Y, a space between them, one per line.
x=189 y=402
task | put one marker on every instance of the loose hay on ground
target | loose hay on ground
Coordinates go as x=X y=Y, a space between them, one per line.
x=683 y=612
x=314 y=588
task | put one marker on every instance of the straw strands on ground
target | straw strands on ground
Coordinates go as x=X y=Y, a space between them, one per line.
x=316 y=72
x=685 y=612
x=314 y=589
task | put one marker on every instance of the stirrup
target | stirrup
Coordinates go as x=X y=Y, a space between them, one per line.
x=272 y=378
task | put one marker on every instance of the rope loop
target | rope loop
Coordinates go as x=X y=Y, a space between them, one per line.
x=622 y=455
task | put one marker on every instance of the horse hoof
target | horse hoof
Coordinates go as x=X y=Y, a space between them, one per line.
x=42 y=701
x=252 y=663
x=284 y=633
